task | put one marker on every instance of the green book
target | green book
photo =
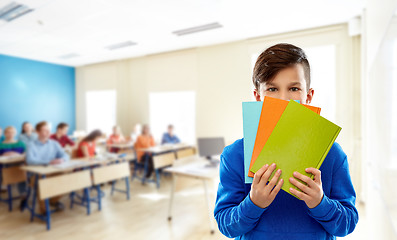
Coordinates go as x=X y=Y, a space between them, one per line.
x=301 y=139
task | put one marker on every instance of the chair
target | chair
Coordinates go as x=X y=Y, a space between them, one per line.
x=161 y=161
x=11 y=176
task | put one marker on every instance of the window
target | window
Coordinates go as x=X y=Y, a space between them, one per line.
x=322 y=61
x=176 y=108
x=101 y=110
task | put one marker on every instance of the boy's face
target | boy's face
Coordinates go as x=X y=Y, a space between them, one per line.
x=10 y=134
x=63 y=131
x=44 y=132
x=289 y=83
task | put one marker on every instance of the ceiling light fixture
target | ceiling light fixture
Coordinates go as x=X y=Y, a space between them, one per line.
x=13 y=11
x=69 y=55
x=196 y=29
x=120 y=45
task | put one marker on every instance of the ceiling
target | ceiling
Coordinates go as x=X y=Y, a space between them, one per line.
x=78 y=32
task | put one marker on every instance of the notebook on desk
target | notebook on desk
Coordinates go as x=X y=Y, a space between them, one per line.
x=69 y=164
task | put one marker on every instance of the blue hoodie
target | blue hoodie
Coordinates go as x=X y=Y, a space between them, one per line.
x=286 y=217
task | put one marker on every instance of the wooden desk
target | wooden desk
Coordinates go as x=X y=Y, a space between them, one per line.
x=121 y=145
x=12 y=159
x=164 y=148
x=156 y=150
x=40 y=171
x=85 y=162
x=194 y=167
x=8 y=162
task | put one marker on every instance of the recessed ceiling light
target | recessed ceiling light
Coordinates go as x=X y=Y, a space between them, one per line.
x=69 y=55
x=196 y=29
x=13 y=11
x=120 y=45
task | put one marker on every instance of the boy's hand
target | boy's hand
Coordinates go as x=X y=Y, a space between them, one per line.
x=312 y=193
x=263 y=194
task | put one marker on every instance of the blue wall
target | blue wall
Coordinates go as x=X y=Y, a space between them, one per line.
x=35 y=91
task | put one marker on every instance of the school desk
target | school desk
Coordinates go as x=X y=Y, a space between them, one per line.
x=193 y=167
x=52 y=180
x=10 y=174
x=157 y=150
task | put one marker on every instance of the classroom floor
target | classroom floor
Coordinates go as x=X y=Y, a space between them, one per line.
x=144 y=216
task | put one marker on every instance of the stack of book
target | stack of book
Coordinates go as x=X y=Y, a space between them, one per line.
x=290 y=134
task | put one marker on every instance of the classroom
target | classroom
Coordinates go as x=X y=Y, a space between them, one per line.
x=198 y=119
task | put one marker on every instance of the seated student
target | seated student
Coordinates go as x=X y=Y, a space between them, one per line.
x=11 y=147
x=27 y=133
x=87 y=145
x=135 y=133
x=325 y=207
x=61 y=135
x=169 y=136
x=114 y=138
x=145 y=140
x=44 y=151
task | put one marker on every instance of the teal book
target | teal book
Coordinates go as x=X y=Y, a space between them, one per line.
x=301 y=139
x=251 y=116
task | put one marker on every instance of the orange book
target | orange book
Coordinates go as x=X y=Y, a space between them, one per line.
x=272 y=109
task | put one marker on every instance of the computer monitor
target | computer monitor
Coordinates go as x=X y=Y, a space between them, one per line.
x=209 y=147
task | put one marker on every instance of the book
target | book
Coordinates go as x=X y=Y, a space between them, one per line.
x=272 y=109
x=251 y=115
x=301 y=139
x=69 y=164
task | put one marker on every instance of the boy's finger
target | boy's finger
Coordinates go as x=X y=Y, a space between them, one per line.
x=276 y=189
x=304 y=178
x=300 y=185
x=317 y=174
x=274 y=180
x=265 y=177
x=297 y=193
x=258 y=174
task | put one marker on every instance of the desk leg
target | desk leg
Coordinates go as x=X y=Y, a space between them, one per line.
x=98 y=190
x=145 y=167
x=207 y=198
x=48 y=213
x=9 y=190
x=112 y=190
x=171 y=197
x=47 y=210
x=87 y=198
x=34 y=197
x=127 y=185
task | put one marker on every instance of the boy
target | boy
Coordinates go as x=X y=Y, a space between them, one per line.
x=169 y=137
x=44 y=151
x=61 y=135
x=260 y=210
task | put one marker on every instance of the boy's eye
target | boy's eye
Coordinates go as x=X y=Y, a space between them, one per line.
x=272 y=89
x=294 y=89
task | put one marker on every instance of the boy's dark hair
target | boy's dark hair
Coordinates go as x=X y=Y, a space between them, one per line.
x=276 y=58
x=40 y=125
x=62 y=125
